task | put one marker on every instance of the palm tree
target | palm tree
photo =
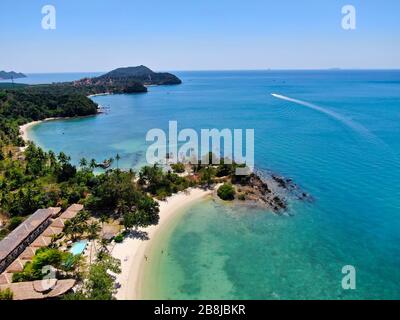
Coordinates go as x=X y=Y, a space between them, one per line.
x=83 y=162
x=103 y=219
x=73 y=228
x=52 y=159
x=82 y=217
x=93 y=230
x=103 y=245
x=63 y=158
x=93 y=163
x=117 y=157
x=78 y=225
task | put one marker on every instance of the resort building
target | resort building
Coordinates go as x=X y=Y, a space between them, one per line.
x=20 y=246
x=36 y=232
x=24 y=235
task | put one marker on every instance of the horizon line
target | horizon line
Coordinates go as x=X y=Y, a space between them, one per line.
x=219 y=70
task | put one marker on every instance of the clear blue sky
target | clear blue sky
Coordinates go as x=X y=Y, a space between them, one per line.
x=99 y=35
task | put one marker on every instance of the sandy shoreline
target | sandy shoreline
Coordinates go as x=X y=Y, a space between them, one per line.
x=132 y=251
x=24 y=129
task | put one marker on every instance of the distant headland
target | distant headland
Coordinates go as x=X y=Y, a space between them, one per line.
x=127 y=80
x=4 y=75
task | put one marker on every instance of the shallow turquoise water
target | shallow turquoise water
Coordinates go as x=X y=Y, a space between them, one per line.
x=348 y=163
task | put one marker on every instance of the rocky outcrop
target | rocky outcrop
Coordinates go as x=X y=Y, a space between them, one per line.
x=273 y=193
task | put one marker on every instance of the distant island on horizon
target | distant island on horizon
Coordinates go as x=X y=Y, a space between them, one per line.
x=127 y=80
x=120 y=80
x=4 y=75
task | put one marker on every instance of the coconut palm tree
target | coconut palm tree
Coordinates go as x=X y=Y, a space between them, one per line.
x=83 y=162
x=117 y=157
x=52 y=159
x=63 y=158
x=103 y=219
x=93 y=230
x=74 y=228
x=93 y=163
x=83 y=217
x=103 y=245
x=77 y=226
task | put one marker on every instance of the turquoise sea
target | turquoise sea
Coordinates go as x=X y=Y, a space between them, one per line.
x=339 y=140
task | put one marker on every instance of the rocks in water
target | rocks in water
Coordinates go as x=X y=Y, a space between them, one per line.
x=289 y=186
x=279 y=204
x=252 y=188
x=272 y=192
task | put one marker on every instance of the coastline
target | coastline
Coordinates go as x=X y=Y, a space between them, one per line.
x=132 y=251
x=24 y=129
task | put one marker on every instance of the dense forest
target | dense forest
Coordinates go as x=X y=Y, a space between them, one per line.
x=143 y=75
x=21 y=105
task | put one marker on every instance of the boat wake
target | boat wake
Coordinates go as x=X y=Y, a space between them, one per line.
x=346 y=121
x=358 y=128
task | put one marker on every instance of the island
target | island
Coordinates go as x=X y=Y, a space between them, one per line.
x=141 y=74
x=4 y=75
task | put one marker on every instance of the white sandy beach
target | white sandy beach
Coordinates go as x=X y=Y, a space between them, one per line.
x=24 y=129
x=132 y=251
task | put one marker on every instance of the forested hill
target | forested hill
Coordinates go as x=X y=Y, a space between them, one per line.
x=126 y=80
x=11 y=75
x=19 y=106
x=143 y=75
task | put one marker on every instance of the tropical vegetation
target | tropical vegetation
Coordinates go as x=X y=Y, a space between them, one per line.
x=44 y=257
x=6 y=294
x=226 y=192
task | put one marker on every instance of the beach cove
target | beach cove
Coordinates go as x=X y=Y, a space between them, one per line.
x=134 y=252
x=223 y=252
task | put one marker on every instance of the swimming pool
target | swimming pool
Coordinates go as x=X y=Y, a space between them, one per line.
x=78 y=247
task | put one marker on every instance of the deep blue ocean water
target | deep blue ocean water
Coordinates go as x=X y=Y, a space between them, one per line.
x=341 y=144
